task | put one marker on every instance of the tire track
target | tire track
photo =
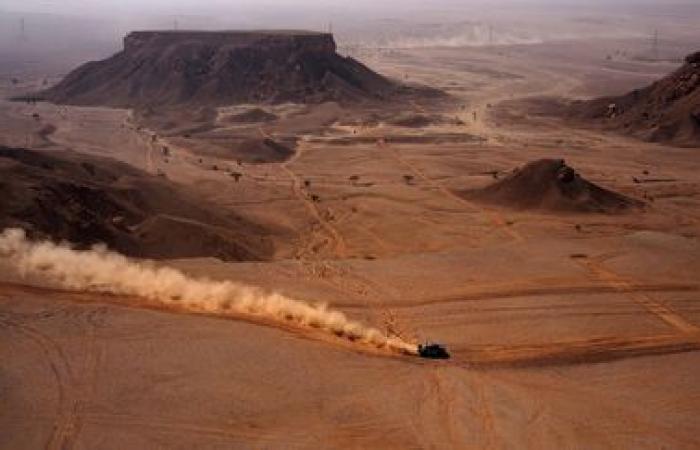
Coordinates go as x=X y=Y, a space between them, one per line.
x=60 y=369
x=493 y=292
x=324 y=269
x=74 y=387
x=494 y=217
x=594 y=350
x=222 y=431
x=340 y=247
x=369 y=294
x=140 y=138
x=433 y=411
x=445 y=402
x=484 y=413
x=138 y=303
x=86 y=387
x=599 y=271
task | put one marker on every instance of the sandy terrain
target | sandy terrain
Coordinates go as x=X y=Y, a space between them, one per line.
x=566 y=330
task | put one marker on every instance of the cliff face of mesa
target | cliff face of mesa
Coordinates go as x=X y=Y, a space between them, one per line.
x=263 y=41
x=158 y=68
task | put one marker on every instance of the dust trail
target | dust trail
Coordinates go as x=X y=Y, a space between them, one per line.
x=101 y=270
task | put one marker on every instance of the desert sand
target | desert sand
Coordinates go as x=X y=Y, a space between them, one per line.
x=567 y=329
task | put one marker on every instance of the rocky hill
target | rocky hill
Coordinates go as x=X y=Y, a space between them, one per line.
x=87 y=200
x=551 y=185
x=158 y=68
x=666 y=111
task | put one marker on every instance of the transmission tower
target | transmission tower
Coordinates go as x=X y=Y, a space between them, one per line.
x=22 y=30
x=655 y=45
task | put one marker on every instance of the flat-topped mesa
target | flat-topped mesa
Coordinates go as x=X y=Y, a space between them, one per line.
x=215 y=68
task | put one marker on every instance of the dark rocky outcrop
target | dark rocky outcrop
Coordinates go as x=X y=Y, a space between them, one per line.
x=87 y=200
x=693 y=58
x=551 y=185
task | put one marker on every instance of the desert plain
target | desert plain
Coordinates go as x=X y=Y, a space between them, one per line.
x=566 y=329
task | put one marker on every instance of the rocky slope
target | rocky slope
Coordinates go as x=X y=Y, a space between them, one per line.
x=87 y=200
x=666 y=111
x=551 y=185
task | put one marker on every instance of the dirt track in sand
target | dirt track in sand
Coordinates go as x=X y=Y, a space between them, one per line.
x=597 y=349
x=565 y=329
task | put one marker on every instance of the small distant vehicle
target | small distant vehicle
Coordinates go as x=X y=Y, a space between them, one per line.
x=432 y=350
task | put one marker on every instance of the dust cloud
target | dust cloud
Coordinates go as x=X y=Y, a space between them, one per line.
x=101 y=270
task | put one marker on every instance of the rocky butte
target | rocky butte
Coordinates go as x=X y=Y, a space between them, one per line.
x=165 y=68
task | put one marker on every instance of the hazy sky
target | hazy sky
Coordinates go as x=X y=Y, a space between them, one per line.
x=195 y=6
x=71 y=31
x=124 y=15
x=182 y=6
